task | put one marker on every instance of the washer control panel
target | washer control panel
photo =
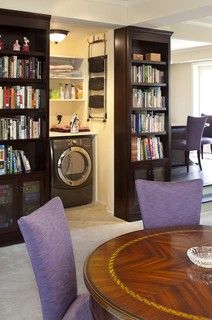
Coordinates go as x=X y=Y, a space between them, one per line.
x=81 y=142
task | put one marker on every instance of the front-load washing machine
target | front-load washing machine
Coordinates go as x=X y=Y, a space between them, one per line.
x=72 y=169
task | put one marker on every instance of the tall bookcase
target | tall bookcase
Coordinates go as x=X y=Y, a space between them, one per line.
x=142 y=113
x=24 y=116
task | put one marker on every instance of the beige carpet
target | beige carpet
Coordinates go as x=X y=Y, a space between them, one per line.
x=90 y=226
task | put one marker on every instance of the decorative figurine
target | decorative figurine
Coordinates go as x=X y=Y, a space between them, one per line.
x=1 y=43
x=16 y=46
x=25 y=46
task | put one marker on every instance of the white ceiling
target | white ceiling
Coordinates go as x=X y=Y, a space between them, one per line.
x=189 y=20
x=179 y=44
x=127 y=3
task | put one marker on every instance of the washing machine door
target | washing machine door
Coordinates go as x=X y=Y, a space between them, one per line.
x=74 y=166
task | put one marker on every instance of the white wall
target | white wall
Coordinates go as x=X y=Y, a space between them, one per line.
x=105 y=133
x=181 y=92
x=183 y=102
x=192 y=55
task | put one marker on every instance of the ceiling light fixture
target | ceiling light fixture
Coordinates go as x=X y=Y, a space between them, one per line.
x=58 y=35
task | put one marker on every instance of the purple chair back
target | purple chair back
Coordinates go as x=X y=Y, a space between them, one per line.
x=195 y=126
x=49 y=245
x=207 y=132
x=165 y=204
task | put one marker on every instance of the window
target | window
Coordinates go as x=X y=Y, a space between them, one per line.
x=202 y=88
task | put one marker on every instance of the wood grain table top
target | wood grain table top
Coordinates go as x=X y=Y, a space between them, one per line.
x=147 y=275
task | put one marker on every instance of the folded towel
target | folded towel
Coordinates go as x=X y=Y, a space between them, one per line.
x=60 y=128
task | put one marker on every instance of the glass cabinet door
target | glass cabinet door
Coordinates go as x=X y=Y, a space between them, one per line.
x=6 y=207
x=31 y=196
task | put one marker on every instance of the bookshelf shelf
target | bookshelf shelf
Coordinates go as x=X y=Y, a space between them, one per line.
x=146 y=84
x=147 y=134
x=140 y=62
x=23 y=174
x=146 y=162
x=24 y=116
x=9 y=141
x=142 y=128
x=66 y=100
x=67 y=78
x=148 y=109
x=15 y=81
x=25 y=111
x=22 y=53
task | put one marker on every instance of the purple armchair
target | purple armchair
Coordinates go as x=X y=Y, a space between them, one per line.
x=165 y=204
x=48 y=241
x=192 y=140
x=207 y=134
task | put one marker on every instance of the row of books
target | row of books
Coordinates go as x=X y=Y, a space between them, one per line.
x=150 y=98
x=147 y=74
x=147 y=122
x=20 y=127
x=14 y=67
x=13 y=161
x=146 y=148
x=20 y=97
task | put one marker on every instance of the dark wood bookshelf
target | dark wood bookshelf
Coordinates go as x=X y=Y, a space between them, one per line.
x=23 y=192
x=128 y=41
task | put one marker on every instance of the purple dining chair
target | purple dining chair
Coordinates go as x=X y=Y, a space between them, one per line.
x=207 y=134
x=192 y=139
x=49 y=245
x=165 y=204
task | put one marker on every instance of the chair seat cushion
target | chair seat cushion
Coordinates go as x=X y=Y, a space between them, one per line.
x=206 y=140
x=179 y=144
x=79 y=309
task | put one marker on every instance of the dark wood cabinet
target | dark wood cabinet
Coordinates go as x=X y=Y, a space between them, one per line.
x=142 y=113
x=19 y=195
x=24 y=118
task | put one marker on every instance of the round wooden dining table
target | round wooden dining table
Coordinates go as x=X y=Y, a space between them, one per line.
x=147 y=275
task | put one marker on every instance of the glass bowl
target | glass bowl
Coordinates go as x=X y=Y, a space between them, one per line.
x=198 y=274
x=201 y=256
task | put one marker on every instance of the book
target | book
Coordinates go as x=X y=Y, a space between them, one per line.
x=18 y=161
x=6 y=97
x=2 y=159
x=134 y=148
x=5 y=72
x=9 y=159
x=25 y=161
x=1 y=98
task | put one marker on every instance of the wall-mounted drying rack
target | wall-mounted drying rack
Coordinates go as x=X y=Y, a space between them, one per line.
x=97 y=81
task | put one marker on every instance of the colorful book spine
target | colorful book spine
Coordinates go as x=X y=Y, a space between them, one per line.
x=3 y=169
